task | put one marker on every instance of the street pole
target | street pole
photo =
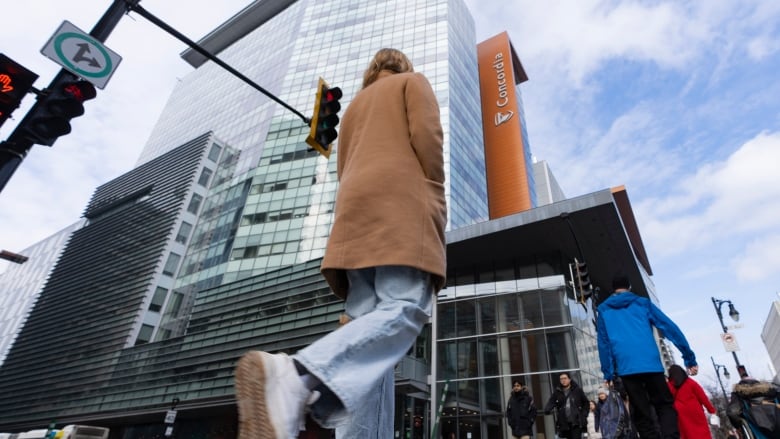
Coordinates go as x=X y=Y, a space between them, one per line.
x=16 y=148
x=717 y=373
x=716 y=303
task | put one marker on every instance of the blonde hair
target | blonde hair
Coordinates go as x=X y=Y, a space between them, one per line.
x=386 y=59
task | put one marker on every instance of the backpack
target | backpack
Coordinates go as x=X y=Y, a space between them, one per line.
x=616 y=410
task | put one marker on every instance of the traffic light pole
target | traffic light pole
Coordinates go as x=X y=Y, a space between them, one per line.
x=133 y=5
x=16 y=148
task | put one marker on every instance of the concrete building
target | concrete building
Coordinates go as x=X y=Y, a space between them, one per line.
x=21 y=284
x=770 y=335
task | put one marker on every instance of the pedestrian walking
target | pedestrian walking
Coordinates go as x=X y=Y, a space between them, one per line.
x=689 y=398
x=593 y=424
x=520 y=411
x=570 y=406
x=385 y=257
x=628 y=349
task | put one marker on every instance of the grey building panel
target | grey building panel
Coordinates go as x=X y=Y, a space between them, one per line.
x=94 y=296
x=547 y=188
x=20 y=285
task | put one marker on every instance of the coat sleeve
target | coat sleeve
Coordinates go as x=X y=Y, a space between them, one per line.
x=551 y=403
x=673 y=333
x=597 y=416
x=422 y=111
x=584 y=407
x=605 y=350
x=702 y=397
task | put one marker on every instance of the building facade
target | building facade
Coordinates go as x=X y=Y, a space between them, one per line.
x=108 y=289
x=510 y=175
x=277 y=209
x=509 y=310
x=20 y=285
x=770 y=335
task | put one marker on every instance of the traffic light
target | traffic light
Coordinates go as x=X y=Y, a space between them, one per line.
x=582 y=280
x=61 y=102
x=15 y=82
x=325 y=118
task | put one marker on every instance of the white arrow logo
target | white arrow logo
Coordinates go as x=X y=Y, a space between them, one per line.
x=503 y=117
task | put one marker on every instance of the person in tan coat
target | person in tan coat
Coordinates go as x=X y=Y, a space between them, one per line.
x=385 y=257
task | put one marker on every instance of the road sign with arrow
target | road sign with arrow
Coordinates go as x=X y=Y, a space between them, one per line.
x=81 y=54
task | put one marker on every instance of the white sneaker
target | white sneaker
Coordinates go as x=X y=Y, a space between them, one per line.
x=271 y=397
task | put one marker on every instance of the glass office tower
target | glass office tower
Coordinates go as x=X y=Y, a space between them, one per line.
x=278 y=208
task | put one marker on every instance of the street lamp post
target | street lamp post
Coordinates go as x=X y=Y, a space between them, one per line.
x=734 y=314
x=726 y=374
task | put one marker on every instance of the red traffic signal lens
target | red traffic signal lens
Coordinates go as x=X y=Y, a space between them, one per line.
x=333 y=94
x=80 y=90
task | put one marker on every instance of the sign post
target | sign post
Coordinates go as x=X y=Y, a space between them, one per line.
x=170 y=418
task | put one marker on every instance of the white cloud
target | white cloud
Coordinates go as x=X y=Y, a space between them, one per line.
x=759 y=260
x=722 y=200
x=577 y=37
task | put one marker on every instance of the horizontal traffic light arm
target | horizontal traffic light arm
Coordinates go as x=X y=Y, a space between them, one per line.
x=134 y=6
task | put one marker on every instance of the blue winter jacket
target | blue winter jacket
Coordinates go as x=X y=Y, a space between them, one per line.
x=625 y=336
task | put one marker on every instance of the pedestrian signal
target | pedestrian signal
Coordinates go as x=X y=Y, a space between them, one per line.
x=15 y=82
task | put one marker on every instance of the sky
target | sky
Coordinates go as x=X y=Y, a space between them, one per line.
x=677 y=100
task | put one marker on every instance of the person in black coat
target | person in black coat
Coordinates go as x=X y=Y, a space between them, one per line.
x=520 y=411
x=571 y=408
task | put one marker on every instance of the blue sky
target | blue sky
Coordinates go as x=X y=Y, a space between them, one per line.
x=677 y=100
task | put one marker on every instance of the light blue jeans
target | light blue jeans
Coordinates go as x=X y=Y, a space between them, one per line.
x=388 y=306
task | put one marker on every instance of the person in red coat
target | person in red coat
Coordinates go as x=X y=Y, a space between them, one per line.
x=689 y=398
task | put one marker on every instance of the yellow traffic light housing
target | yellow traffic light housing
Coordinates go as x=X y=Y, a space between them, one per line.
x=325 y=118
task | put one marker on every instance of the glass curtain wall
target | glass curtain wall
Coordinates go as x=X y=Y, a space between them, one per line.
x=503 y=322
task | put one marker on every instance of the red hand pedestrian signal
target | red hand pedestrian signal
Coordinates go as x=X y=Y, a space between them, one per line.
x=15 y=82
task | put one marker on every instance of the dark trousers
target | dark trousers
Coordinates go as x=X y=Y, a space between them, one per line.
x=648 y=391
x=574 y=432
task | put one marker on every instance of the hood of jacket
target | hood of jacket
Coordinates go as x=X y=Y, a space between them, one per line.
x=620 y=300
x=521 y=394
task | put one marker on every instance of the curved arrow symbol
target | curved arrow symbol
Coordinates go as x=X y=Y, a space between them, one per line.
x=81 y=55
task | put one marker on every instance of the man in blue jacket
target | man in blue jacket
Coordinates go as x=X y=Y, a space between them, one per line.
x=627 y=349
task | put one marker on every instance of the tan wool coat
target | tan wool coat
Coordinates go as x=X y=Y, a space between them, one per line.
x=390 y=207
